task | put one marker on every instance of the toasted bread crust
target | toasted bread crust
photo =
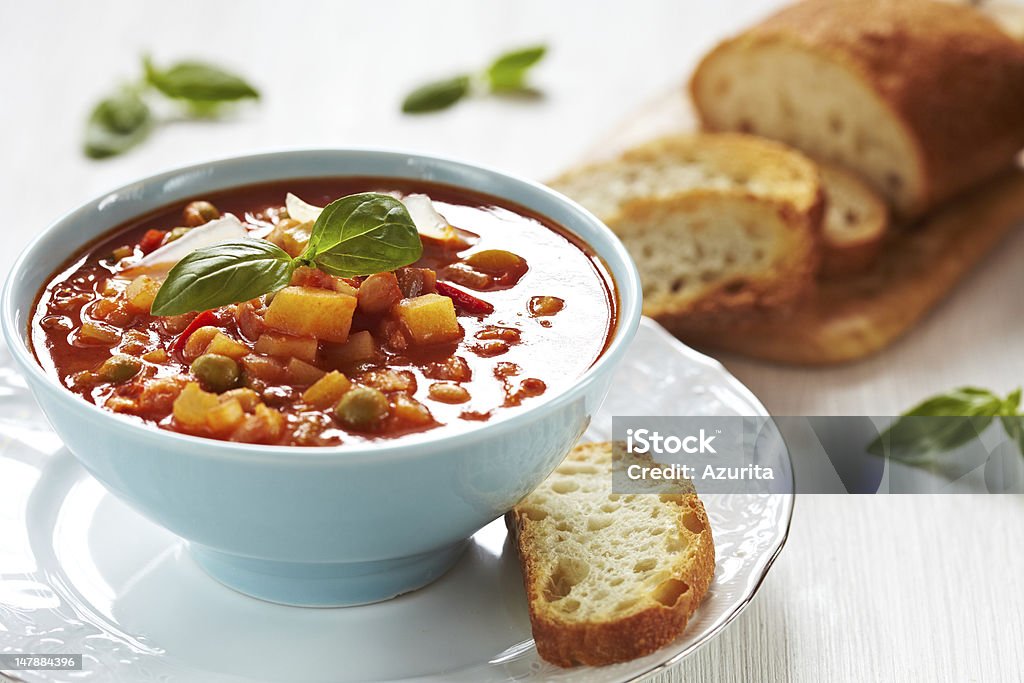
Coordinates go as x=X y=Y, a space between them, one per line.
x=597 y=643
x=951 y=78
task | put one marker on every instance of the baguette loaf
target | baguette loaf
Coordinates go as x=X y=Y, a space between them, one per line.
x=924 y=99
x=718 y=224
x=609 y=577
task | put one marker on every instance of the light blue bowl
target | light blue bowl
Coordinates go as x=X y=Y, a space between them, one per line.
x=318 y=526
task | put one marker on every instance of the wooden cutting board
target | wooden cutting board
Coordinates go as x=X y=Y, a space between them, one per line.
x=846 y=319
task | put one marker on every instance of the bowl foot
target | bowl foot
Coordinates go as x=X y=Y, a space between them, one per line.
x=326 y=584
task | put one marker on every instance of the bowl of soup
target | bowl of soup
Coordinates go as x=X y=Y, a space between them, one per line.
x=325 y=369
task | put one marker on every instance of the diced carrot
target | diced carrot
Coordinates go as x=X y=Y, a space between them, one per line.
x=151 y=240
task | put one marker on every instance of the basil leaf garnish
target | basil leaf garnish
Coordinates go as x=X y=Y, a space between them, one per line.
x=223 y=274
x=966 y=412
x=363 y=234
x=508 y=72
x=198 y=82
x=117 y=124
x=436 y=96
x=360 y=234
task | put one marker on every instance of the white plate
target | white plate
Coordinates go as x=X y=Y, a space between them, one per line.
x=82 y=573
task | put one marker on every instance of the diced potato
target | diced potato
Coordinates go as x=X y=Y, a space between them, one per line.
x=291 y=235
x=359 y=347
x=224 y=345
x=302 y=374
x=309 y=312
x=99 y=334
x=141 y=293
x=429 y=319
x=197 y=342
x=192 y=406
x=411 y=410
x=247 y=398
x=327 y=390
x=287 y=346
x=226 y=417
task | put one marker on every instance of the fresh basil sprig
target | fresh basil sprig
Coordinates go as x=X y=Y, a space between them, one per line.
x=507 y=73
x=966 y=413
x=117 y=124
x=360 y=234
x=124 y=119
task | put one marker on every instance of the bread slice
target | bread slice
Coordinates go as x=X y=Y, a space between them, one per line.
x=923 y=99
x=718 y=224
x=609 y=577
x=846 y=319
x=856 y=223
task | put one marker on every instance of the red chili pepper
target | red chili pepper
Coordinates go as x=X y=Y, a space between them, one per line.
x=464 y=300
x=202 y=320
x=152 y=240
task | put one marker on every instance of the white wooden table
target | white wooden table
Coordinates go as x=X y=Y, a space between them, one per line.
x=923 y=588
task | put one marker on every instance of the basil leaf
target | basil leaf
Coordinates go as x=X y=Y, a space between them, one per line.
x=508 y=72
x=1012 y=403
x=223 y=274
x=966 y=412
x=1014 y=426
x=198 y=82
x=436 y=96
x=117 y=124
x=362 y=234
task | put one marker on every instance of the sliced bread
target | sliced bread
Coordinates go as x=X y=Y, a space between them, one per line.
x=923 y=99
x=609 y=577
x=856 y=223
x=717 y=224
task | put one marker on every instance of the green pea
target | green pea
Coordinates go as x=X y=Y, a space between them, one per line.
x=119 y=368
x=361 y=408
x=215 y=372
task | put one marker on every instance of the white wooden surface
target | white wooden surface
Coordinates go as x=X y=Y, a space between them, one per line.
x=901 y=588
